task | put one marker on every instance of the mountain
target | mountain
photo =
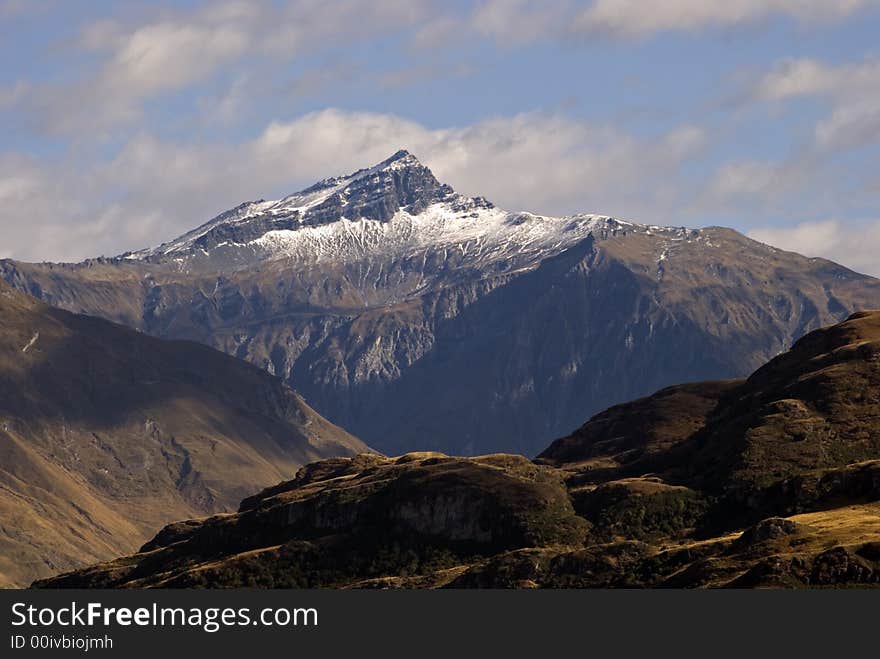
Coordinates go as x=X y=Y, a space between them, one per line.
x=420 y=318
x=106 y=433
x=815 y=407
x=769 y=481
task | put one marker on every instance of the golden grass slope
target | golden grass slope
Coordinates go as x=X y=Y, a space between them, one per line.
x=106 y=433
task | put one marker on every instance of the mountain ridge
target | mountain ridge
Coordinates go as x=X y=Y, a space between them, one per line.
x=105 y=432
x=511 y=327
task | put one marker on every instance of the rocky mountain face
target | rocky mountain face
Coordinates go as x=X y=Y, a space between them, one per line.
x=769 y=481
x=106 y=433
x=419 y=318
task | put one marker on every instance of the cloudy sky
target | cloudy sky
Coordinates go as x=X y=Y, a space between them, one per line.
x=128 y=123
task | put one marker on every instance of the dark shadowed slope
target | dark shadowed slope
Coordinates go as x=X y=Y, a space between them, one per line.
x=773 y=481
x=644 y=427
x=422 y=319
x=106 y=433
x=815 y=407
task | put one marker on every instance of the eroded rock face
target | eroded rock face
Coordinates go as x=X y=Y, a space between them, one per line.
x=842 y=566
x=492 y=501
x=772 y=528
x=347 y=514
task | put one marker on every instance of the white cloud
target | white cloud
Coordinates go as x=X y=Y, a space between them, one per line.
x=850 y=125
x=518 y=21
x=808 y=77
x=302 y=23
x=137 y=65
x=228 y=106
x=530 y=161
x=178 y=50
x=746 y=184
x=793 y=78
x=439 y=32
x=167 y=56
x=172 y=50
x=631 y=18
x=35 y=210
x=856 y=244
x=806 y=185
x=515 y=22
x=154 y=190
x=852 y=90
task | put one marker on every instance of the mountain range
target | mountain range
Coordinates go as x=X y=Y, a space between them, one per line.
x=768 y=481
x=419 y=318
x=107 y=433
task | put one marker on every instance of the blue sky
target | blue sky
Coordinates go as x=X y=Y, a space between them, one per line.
x=128 y=123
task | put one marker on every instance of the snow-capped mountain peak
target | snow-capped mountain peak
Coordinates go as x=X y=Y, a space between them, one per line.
x=376 y=193
x=401 y=160
x=391 y=211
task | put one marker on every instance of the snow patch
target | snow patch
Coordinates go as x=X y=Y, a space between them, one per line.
x=459 y=231
x=30 y=344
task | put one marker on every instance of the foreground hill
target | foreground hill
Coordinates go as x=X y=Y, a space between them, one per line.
x=419 y=318
x=106 y=433
x=771 y=481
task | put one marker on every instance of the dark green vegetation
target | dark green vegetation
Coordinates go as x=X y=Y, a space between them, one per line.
x=771 y=481
x=106 y=433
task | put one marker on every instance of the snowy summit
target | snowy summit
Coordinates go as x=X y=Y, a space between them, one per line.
x=394 y=210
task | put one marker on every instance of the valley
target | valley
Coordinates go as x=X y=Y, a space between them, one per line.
x=772 y=481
